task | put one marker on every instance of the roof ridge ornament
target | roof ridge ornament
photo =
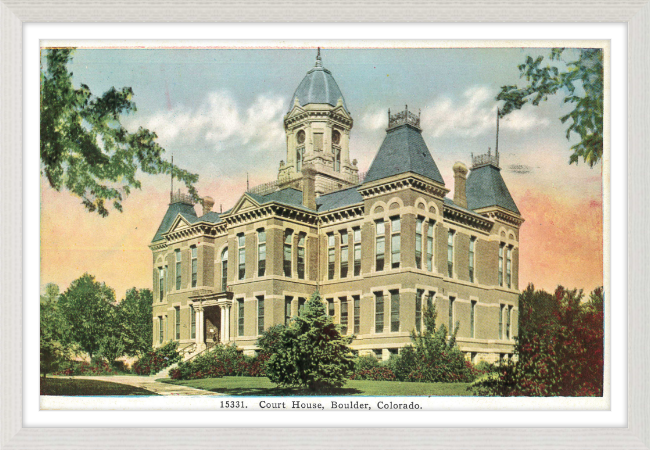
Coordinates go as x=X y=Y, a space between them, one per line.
x=405 y=117
x=319 y=61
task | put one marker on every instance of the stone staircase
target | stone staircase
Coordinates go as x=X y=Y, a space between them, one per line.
x=187 y=353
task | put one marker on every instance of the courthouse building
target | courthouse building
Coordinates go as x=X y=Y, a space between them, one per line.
x=379 y=248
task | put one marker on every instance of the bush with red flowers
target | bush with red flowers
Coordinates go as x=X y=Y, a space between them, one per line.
x=157 y=359
x=219 y=361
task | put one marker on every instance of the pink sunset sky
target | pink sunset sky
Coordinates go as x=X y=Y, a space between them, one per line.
x=220 y=113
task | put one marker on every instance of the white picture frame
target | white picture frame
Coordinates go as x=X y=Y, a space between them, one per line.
x=13 y=14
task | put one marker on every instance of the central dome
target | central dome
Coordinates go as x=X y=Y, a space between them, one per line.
x=318 y=87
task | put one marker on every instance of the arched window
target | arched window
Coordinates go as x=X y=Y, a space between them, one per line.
x=224 y=270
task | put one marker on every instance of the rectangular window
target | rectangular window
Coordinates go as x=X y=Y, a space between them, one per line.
x=509 y=267
x=161 y=330
x=430 y=229
x=357 y=251
x=224 y=271
x=192 y=323
x=161 y=283
x=240 y=317
x=472 y=249
x=166 y=288
x=379 y=312
x=260 y=314
x=418 y=309
x=177 y=321
x=344 y=315
x=430 y=298
x=395 y=242
x=301 y=256
x=331 y=256
x=301 y=305
x=450 y=254
x=288 y=241
x=344 y=254
x=261 y=253
x=357 y=313
x=502 y=308
x=508 y=317
x=451 y=314
x=501 y=247
x=337 y=159
x=472 y=318
x=178 y=268
x=380 y=245
x=330 y=307
x=394 y=311
x=318 y=142
x=241 y=243
x=418 y=242
x=287 y=309
x=195 y=265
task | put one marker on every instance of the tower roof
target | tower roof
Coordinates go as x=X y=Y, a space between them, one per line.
x=485 y=187
x=403 y=150
x=318 y=87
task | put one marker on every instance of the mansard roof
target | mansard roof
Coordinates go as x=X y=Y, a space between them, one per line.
x=403 y=150
x=338 y=199
x=485 y=187
x=184 y=209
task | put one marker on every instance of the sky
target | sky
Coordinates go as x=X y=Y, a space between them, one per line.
x=220 y=113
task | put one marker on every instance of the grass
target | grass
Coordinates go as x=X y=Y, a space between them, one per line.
x=74 y=387
x=262 y=386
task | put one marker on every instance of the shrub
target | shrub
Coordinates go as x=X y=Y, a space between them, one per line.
x=157 y=359
x=96 y=367
x=365 y=362
x=221 y=360
x=378 y=373
x=310 y=351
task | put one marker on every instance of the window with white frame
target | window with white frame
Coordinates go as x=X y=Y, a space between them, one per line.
x=260 y=314
x=241 y=250
x=501 y=249
x=418 y=309
x=331 y=256
x=356 y=232
x=418 y=242
x=178 y=268
x=472 y=253
x=261 y=252
x=301 y=255
x=450 y=253
x=379 y=312
x=161 y=283
x=357 y=313
x=380 y=245
x=240 y=317
x=195 y=265
x=344 y=254
x=192 y=322
x=161 y=330
x=394 y=311
x=344 y=315
x=395 y=242
x=288 y=252
x=177 y=321
x=509 y=267
x=501 y=311
x=224 y=270
x=430 y=230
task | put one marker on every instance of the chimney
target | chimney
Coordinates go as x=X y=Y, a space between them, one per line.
x=460 y=180
x=208 y=203
x=309 y=187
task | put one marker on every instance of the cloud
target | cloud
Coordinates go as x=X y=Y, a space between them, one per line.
x=474 y=114
x=219 y=123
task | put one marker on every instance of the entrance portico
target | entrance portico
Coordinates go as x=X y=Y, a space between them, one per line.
x=212 y=312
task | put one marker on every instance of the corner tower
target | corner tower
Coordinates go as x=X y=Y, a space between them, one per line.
x=317 y=128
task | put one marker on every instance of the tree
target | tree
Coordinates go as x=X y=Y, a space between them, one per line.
x=562 y=356
x=581 y=83
x=89 y=308
x=433 y=357
x=134 y=321
x=310 y=351
x=55 y=339
x=84 y=146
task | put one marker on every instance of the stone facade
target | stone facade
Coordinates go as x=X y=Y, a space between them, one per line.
x=225 y=277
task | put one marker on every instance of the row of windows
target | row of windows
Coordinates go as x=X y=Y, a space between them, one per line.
x=177 y=324
x=344 y=254
x=162 y=271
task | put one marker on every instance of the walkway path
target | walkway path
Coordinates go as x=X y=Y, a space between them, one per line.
x=148 y=383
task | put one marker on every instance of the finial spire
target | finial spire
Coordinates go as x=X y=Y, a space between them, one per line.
x=319 y=62
x=497 y=143
x=171 y=191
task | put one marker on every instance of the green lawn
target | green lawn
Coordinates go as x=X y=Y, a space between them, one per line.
x=67 y=386
x=262 y=386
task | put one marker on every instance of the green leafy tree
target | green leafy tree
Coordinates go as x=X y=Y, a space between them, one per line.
x=134 y=320
x=434 y=356
x=580 y=81
x=560 y=356
x=84 y=146
x=310 y=351
x=55 y=337
x=89 y=308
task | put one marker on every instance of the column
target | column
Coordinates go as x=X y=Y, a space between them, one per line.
x=201 y=328
x=222 y=329
x=227 y=337
x=197 y=320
